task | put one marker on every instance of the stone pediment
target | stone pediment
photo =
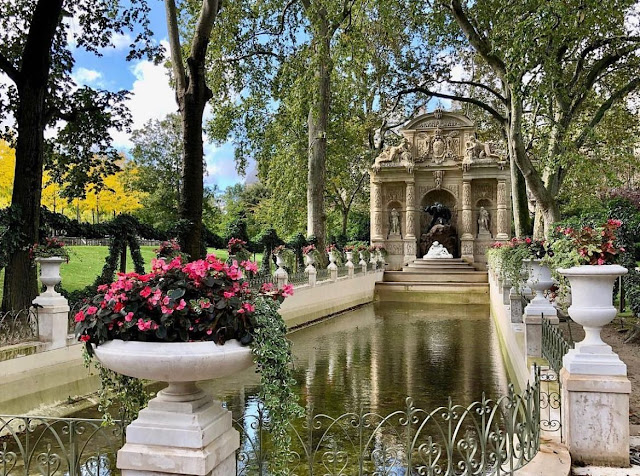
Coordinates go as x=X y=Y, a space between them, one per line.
x=439 y=119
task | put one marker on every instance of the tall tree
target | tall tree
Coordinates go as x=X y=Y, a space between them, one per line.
x=547 y=71
x=157 y=155
x=192 y=94
x=36 y=59
x=306 y=54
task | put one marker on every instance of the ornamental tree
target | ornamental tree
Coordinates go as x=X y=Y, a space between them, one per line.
x=38 y=92
x=547 y=71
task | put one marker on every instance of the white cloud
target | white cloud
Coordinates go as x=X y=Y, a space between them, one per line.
x=151 y=98
x=90 y=77
x=120 y=41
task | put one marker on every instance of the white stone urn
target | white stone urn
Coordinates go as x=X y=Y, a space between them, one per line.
x=309 y=260
x=349 y=256
x=592 y=308
x=362 y=261
x=332 y=258
x=539 y=280
x=373 y=260
x=50 y=274
x=380 y=258
x=183 y=426
x=281 y=275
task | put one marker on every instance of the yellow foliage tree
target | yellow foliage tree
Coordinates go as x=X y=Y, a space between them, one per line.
x=113 y=198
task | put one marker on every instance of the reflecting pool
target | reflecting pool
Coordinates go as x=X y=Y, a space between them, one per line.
x=377 y=355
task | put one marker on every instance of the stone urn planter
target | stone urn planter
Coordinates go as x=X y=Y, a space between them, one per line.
x=50 y=274
x=309 y=260
x=592 y=308
x=182 y=417
x=540 y=281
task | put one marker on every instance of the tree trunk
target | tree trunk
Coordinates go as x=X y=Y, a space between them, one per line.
x=521 y=218
x=317 y=121
x=544 y=199
x=192 y=192
x=20 y=282
x=345 y=220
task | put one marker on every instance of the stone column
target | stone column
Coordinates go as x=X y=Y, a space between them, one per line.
x=410 y=232
x=53 y=313
x=503 y=217
x=467 y=222
x=376 y=212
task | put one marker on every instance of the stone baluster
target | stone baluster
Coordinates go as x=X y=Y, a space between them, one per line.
x=503 y=217
x=350 y=266
x=311 y=270
x=53 y=315
x=373 y=261
x=363 y=263
x=376 y=212
x=333 y=267
x=466 y=239
x=281 y=275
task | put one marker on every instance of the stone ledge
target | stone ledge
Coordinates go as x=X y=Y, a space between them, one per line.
x=595 y=383
x=553 y=459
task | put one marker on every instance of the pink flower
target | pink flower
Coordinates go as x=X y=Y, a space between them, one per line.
x=228 y=294
x=145 y=292
x=249 y=307
x=287 y=290
x=129 y=317
x=240 y=311
x=181 y=305
x=209 y=332
x=117 y=308
x=91 y=310
x=80 y=316
x=85 y=338
x=250 y=266
x=102 y=288
x=205 y=304
x=267 y=287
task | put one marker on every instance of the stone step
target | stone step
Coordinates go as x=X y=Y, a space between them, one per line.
x=425 y=270
x=433 y=293
x=444 y=277
x=440 y=266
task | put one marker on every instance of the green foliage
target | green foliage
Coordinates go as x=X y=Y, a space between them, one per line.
x=272 y=355
x=632 y=291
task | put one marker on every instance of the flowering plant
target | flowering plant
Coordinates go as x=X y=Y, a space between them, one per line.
x=331 y=249
x=308 y=249
x=204 y=300
x=594 y=245
x=50 y=248
x=349 y=248
x=168 y=249
x=236 y=247
x=279 y=249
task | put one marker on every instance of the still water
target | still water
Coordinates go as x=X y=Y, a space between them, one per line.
x=375 y=356
x=369 y=359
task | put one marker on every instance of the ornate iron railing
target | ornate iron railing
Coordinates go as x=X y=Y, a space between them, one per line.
x=489 y=437
x=258 y=280
x=322 y=274
x=554 y=345
x=298 y=278
x=19 y=326
x=58 y=446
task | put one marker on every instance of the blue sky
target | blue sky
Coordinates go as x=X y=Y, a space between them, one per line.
x=152 y=96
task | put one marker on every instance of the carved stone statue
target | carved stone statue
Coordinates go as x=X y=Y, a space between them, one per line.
x=397 y=153
x=483 y=220
x=477 y=152
x=394 y=221
x=440 y=214
x=437 y=251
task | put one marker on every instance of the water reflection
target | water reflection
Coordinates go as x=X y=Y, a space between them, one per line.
x=377 y=355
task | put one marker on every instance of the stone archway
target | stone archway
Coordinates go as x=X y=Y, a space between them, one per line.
x=448 y=236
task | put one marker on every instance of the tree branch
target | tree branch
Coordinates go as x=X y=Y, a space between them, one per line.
x=10 y=70
x=208 y=13
x=604 y=107
x=591 y=48
x=476 y=40
x=482 y=86
x=254 y=53
x=175 y=47
x=420 y=89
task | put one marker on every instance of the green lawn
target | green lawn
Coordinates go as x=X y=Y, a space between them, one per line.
x=86 y=263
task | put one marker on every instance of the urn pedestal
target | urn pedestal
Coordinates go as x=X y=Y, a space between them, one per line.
x=183 y=430
x=595 y=387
